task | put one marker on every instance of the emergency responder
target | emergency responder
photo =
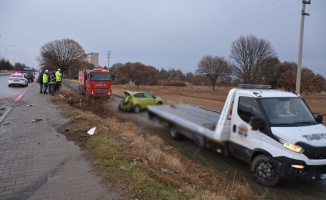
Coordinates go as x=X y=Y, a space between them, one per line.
x=45 y=81
x=40 y=81
x=52 y=83
x=58 y=79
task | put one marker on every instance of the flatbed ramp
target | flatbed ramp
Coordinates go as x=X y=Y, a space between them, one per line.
x=197 y=118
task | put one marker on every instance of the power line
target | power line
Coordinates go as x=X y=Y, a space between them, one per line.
x=212 y=24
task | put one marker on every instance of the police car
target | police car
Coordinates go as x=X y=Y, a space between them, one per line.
x=17 y=79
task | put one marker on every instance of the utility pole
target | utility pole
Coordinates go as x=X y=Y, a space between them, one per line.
x=303 y=14
x=109 y=54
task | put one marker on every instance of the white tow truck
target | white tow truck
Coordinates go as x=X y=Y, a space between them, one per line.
x=275 y=131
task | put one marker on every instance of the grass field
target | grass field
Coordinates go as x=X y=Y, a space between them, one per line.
x=204 y=96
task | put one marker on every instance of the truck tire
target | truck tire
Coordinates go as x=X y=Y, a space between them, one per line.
x=264 y=171
x=136 y=109
x=174 y=133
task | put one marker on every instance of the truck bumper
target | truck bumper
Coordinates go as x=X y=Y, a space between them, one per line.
x=290 y=169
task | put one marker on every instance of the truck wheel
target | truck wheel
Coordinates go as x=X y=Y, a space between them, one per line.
x=264 y=171
x=136 y=109
x=174 y=133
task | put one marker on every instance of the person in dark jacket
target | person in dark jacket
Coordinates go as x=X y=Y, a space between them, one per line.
x=52 y=81
x=40 y=81
x=49 y=80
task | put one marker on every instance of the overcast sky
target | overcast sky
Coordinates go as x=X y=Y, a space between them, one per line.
x=169 y=34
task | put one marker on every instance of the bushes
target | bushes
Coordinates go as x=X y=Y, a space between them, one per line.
x=172 y=83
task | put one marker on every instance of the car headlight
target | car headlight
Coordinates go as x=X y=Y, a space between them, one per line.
x=292 y=147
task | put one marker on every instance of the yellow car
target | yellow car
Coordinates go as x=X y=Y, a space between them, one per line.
x=137 y=101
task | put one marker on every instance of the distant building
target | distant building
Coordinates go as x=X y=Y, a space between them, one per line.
x=92 y=58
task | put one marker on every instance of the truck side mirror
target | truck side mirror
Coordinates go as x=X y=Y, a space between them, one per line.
x=319 y=119
x=112 y=77
x=255 y=123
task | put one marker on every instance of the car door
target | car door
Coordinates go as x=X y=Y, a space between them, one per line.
x=150 y=99
x=139 y=99
x=242 y=139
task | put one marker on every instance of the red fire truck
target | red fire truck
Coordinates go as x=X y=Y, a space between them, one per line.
x=95 y=82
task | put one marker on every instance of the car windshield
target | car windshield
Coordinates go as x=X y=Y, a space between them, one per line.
x=287 y=112
x=100 y=77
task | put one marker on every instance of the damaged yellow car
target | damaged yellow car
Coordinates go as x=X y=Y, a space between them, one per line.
x=137 y=101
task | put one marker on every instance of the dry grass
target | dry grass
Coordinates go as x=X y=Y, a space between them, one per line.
x=141 y=163
x=168 y=167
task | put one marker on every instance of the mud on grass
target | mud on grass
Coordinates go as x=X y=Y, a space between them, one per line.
x=84 y=113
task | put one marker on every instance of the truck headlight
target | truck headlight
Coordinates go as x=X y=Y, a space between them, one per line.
x=293 y=147
x=290 y=146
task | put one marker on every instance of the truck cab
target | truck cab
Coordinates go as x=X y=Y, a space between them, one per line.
x=277 y=133
x=273 y=130
x=96 y=82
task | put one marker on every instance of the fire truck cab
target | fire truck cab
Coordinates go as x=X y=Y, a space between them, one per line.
x=95 y=82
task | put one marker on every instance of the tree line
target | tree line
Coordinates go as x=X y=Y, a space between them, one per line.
x=252 y=60
x=6 y=65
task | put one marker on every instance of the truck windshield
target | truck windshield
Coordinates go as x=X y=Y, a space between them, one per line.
x=287 y=112
x=100 y=77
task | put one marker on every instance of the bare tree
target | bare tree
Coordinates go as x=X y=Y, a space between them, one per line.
x=62 y=54
x=214 y=68
x=270 y=72
x=249 y=54
x=286 y=80
x=319 y=83
x=115 y=66
x=189 y=77
x=137 y=72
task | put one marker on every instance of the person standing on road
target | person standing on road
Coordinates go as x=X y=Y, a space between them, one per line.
x=45 y=81
x=52 y=83
x=58 y=78
x=40 y=81
x=49 y=86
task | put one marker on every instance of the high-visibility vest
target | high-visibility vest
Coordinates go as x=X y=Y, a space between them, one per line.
x=45 y=78
x=58 y=76
x=52 y=79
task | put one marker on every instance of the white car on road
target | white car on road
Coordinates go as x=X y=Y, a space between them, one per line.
x=17 y=79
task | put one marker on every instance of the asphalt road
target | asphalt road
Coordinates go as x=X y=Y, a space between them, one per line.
x=232 y=167
x=9 y=96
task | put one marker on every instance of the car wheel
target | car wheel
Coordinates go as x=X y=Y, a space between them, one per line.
x=9 y=85
x=137 y=109
x=174 y=133
x=159 y=103
x=264 y=171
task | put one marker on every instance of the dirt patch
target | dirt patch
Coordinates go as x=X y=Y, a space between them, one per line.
x=84 y=113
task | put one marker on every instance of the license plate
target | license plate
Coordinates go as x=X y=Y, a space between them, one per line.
x=323 y=176
x=100 y=91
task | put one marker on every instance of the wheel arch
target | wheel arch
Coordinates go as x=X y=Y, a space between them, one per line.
x=258 y=152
